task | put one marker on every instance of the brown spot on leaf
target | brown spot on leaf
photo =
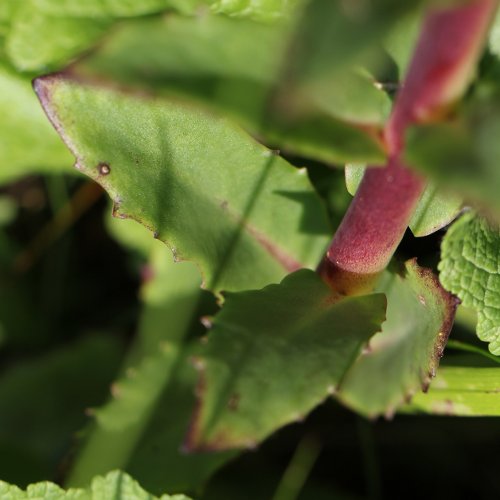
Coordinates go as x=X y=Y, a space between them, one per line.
x=104 y=168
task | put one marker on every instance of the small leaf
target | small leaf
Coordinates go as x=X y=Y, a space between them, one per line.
x=198 y=182
x=470 y=269
x=402 y=359
x=350 y=96
x=273 y=355
x=435 y=210
x=116 y=485
x=461 y=391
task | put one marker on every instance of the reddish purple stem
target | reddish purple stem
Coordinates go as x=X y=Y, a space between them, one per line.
x=442 y=66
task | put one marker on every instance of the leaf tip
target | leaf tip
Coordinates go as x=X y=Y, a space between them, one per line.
x=42 y=86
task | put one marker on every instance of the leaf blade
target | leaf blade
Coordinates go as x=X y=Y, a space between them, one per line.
x=406 y=353
x=273 y=355
x=198 y=182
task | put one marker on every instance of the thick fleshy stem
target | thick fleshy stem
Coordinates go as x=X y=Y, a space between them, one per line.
x=442 y=66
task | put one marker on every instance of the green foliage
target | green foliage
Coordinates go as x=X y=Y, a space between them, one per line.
x=405 y=355
x=273 y=355
x=37 y=41
x=22 y=123
x=461 y=391
x=114 y=485
x=244 y=79
x=42 y=35
x=137 y=429
x=194 y=116
x=225 y=190
x=469 y=268
x=335 y=35
x=48 y=390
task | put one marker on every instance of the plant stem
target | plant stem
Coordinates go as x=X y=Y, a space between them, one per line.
x=442 y=66
x=298 y=470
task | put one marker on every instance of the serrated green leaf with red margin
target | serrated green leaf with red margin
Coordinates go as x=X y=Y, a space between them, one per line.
x=217 y=197
x=403 y=358
x=273 y=355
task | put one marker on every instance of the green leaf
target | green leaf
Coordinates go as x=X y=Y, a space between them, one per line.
x=163 y=51
x=323 y=138
x=435 y=210
x=351 y=96
x=184 y=57
x=461 y=155
x=402 y=359
x=39 y=42
x=27 y=142
x=198 y=182
x=273 y=355
x=461 y=391
x=141 y=428
x=116 y=485
x=469 y=268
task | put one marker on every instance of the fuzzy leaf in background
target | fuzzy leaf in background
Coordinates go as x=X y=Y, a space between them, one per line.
x=333 y=118
x=48 y=390
x=23 y=123
x=461 y=154
x=141 y=428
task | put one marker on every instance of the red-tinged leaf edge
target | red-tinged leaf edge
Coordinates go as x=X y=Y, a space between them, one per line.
x=43 y=87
